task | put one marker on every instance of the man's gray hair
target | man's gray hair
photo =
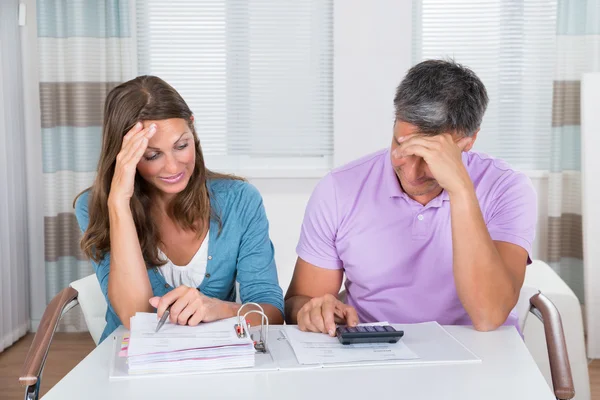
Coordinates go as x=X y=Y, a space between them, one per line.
x=441 y=96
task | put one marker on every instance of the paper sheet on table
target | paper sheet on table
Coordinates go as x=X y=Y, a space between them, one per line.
x=318 y=348
x=173 y=337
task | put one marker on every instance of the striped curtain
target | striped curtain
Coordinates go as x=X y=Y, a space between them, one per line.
x=578 y=52
x=85 y=50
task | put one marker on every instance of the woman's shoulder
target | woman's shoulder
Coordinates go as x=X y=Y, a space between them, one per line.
x=81 y=209
x=234 y=190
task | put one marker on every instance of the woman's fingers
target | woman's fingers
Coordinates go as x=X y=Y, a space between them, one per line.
x=135 y=141
x=131 y=133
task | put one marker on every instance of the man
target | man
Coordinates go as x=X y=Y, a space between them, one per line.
x=426 y=230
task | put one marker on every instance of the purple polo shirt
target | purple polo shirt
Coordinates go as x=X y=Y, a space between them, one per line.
x=397 y=253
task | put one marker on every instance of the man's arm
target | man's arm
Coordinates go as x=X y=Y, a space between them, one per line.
x=309 y=281
x=488 y=274
x=311 y=300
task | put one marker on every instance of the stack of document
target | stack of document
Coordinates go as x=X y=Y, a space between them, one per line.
x=177 y=348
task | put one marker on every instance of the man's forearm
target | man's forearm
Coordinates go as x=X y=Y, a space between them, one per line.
x=484 y=285
x=292 y=306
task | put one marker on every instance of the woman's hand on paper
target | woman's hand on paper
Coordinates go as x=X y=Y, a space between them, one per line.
x=321 y=314
x=189 y=306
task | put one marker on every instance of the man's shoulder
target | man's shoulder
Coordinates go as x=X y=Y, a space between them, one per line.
x=495 y=178
x=344 y=183
x=360 y=167
x=485 y=168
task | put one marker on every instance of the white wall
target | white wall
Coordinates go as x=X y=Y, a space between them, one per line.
x=590 y=141
x=372 y=52
x=285 y=200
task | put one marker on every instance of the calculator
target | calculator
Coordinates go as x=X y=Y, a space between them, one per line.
x=368 y=334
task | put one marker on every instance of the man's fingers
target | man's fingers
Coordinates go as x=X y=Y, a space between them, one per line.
x=316 y=318
x=328 y=312
x=351 y=315
x=412 y=150
x=304 y=322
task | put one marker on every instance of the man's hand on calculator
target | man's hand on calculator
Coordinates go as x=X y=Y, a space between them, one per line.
x=321 y=314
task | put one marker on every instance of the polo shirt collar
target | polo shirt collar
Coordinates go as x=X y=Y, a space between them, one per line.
x=391 y=179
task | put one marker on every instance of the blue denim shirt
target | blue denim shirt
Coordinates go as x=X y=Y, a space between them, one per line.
x=242 y=251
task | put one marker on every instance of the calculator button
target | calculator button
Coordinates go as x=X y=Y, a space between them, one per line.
x=361 y=328
x=370 y=329
x=389 y=328
x=351 y=329
x=379 y=329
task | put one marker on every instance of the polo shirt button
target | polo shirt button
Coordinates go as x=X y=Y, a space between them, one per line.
x=210 y=257
x=420 y=217
x=207 y=276
x=166 y=285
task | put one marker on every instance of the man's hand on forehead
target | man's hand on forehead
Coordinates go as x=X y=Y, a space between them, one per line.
x=442 y=153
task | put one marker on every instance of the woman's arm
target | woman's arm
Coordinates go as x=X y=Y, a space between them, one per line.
x=128 y=285
x=190 y=307
x=256 y=274
x=256 y=269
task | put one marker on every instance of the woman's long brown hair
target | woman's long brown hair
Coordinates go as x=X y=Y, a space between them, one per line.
x=141 y=99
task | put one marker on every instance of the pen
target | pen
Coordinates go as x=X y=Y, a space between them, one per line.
x=163 y=319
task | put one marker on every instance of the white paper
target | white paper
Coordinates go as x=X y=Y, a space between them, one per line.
x=172 y=337
x=179 y=348
x=318 y=348
x=121 y=368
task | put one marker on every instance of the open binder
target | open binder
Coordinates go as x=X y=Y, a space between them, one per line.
x=224 y=344
x=430 y=341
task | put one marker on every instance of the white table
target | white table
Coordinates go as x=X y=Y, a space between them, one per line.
x=507 y=371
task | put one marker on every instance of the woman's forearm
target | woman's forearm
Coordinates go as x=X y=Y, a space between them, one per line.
x=230 y=309
x=128 y=284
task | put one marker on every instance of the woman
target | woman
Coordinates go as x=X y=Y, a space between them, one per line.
x=161 y=229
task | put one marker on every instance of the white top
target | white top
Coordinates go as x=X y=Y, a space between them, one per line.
x=190 y=275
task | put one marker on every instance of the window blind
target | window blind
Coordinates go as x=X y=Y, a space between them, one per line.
x=258 y=75
x=510 y=45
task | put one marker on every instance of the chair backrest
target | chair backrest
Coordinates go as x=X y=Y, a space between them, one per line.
x=92 y=303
